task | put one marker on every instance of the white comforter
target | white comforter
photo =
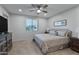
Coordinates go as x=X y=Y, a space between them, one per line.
x=46 y=41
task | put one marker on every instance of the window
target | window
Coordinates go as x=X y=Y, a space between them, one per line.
x=31 y=25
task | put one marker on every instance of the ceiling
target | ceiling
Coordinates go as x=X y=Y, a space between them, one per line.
x=53 y=9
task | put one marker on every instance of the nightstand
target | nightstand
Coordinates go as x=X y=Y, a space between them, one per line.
x=74 y=44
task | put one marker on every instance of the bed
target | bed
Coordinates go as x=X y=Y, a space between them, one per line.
x=48 y=43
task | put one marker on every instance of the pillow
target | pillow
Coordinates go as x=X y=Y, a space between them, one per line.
x=53 y=32
x=61 y=33
x=68 y=34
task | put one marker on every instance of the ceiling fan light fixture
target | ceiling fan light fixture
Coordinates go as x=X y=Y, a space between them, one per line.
x=40 y=8
x=38 y=11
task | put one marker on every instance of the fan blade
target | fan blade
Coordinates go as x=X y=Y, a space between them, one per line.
x=45 y=6
x=33 y=5
x=44 y=11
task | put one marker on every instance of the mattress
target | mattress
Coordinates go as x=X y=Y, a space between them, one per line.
x=46 y=41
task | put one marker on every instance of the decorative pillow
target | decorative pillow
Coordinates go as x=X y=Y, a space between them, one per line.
x=68 y=34
x=53 y=32
x=61 y=33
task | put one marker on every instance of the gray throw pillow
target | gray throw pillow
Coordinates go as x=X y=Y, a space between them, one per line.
x=53 y=32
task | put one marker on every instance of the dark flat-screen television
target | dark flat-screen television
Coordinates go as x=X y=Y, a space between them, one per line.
x=3 y=25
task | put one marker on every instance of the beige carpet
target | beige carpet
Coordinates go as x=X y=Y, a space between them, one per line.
x=30 y=48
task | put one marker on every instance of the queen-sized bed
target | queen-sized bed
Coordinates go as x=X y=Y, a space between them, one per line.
x=48 y=43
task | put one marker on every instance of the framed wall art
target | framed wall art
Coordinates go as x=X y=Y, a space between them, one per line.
x=60 y=23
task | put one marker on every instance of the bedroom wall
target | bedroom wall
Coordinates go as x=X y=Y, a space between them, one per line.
x=72 y=17
x=17 y=27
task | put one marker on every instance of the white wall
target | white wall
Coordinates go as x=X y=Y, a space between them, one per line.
x=17 y=27
x=72 y=17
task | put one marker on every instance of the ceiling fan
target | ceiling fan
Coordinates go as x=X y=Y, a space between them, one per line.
x=39 y=8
